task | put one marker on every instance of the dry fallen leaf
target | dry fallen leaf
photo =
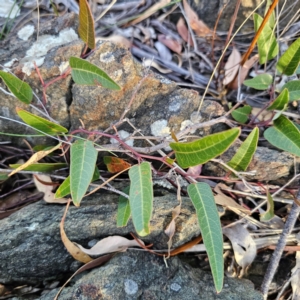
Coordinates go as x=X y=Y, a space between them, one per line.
x=72 y=249
x=110 y=244
x=199 y=27
x=170 y=43
x=183 y=32
x=49 y=196
x=151 y=63
x=34 y=158
x=242 y=74
x=242 y=243
x=150 y=11
x=117 y=39
x=224 y=200
x=232 y=66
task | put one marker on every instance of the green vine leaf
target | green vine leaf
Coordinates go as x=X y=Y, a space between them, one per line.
x=124 y=212
x=289 y=61
x=20 y=89
x=294 y=89
x=202 y=150
x=241 y=114
x=41 y=167
x=40 y=123
x=64 y=189
x=281 y=102
x=266 y=43
x=86 y=28
x=244 y=154
x=284 y=135
x=269 y=214
x=83 y=160
x=141 y=197
x=260 y=82
x=210 y=225
x=83 y=72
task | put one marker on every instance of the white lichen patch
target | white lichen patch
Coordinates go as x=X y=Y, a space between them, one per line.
x=32 y=226
x=123 y=135
x=63 y=67
x=46 y=42
x=26 y=32
x=130 y=287
x=107 y=57
x=185 y=124
x=9 y=9
x=174 y=106
x=175 y=287
x=160 y=128
x=10 y=63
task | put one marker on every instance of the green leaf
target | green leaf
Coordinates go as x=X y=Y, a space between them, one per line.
x=284 y=135
x=241 y=114
x=244 y=154
x=210 y=225
x=281 y=101
x=266 y=43
x=294 y=89
x=19 y=88
x=269 y=214
x=64 y=189
x=83 y=160
x=260 y=82
x=123 y=214
x=202 y=150
x=41 y=167
x=289 y=61
x=86 y=73
x=3 y=177
x=86 y=28
x=141 y=197
x=40 y=123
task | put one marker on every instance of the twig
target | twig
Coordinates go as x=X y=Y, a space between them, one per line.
x=289 y=225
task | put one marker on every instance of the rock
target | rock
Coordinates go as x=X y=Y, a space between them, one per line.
x=159 y=103
x=33 y=250
x=124 y=277
x=269 y=164
x=207 y=8
x=58 y=41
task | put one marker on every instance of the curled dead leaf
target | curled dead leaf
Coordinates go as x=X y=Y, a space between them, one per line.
x=232 y=66
x=170 y=43
x=183 y=32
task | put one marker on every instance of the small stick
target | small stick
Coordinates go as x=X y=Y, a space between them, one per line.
x=288 y=227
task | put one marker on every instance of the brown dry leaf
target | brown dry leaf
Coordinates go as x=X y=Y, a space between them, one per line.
x=194 y=171
x=244 y=70
x=150 y=11
x=242 y=243
x=117 y=39
x=232 y=66
x=199 y=27
x=72 y=249
x=224 y=200
x=110 y=244
x=295 y=278
x=34 y=158
x=49 y=196
x=183 y=32
x=264 y=115
x=170 y=43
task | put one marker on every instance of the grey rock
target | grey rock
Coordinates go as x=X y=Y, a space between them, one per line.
x=209 y=9
x=31 y=249
x=269 y=164
x=140 y=275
